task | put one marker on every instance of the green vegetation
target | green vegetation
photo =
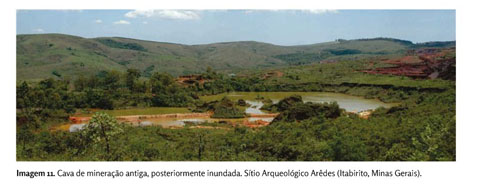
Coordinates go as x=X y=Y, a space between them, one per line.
x=340 y=52
x=101 y=131
x=227 y=109
x=56 y=73
x=39 y=55
x=421 y=128
x=436 y=44
x=302 y=58
x=414 y=131
x=294 y=109
x=121 y=45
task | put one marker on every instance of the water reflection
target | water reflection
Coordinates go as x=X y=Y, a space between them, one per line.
x=347 y=102
x=76 y=127
x=255 y=107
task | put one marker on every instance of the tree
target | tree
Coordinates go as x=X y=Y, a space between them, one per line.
x=210 y=73
x=99 y=99
x=227 y=109
x=24 y=135
x=209 y=70
x=294 y=109
x=159 y=81
x=24 y=96
x=132 y=76
x=26 y=102
x=112 y=80
x=102 y=129
x=81 y=83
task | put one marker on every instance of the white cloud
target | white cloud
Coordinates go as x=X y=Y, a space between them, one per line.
x=122 y=22
x=39 y=30
x=250 y=11
x=145 y=22
x=167 y=14
x=72 y=10
x=98 y=21
x=309 y=11
x=321 y=11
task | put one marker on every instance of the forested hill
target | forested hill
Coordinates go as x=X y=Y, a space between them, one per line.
x=65 y=56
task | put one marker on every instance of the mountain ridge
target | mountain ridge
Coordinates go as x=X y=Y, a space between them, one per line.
x=42 y=56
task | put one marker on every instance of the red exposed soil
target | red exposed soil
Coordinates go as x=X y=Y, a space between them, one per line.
x=255 y=124
x=191 y=79
x=272 y=74
x=263 y=115
x=137 y=118
x=134 y=118
x=422 y=63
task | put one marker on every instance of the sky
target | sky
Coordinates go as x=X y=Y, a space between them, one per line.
x=280 y=27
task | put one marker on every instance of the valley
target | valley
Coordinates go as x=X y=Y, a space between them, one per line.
x=378 y=99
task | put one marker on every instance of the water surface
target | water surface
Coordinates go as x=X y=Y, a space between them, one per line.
x=348 y=102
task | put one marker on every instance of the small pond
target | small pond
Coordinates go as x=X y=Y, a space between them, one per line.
x=347 y=102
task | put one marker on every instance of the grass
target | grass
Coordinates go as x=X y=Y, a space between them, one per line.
x=234 y=96
x=39 y=55
x=248 y=95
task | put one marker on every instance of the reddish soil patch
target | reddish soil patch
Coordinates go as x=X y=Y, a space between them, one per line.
x=272 y=74
x=404 y=60
x=137 y=119
x=263 y=115
x=209 y=127
x=255 y=124
x=422 y=63
x=191 y=79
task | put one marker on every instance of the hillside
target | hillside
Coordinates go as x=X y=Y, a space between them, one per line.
x=64 y=56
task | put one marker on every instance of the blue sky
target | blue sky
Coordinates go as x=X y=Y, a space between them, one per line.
x=282 y=27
